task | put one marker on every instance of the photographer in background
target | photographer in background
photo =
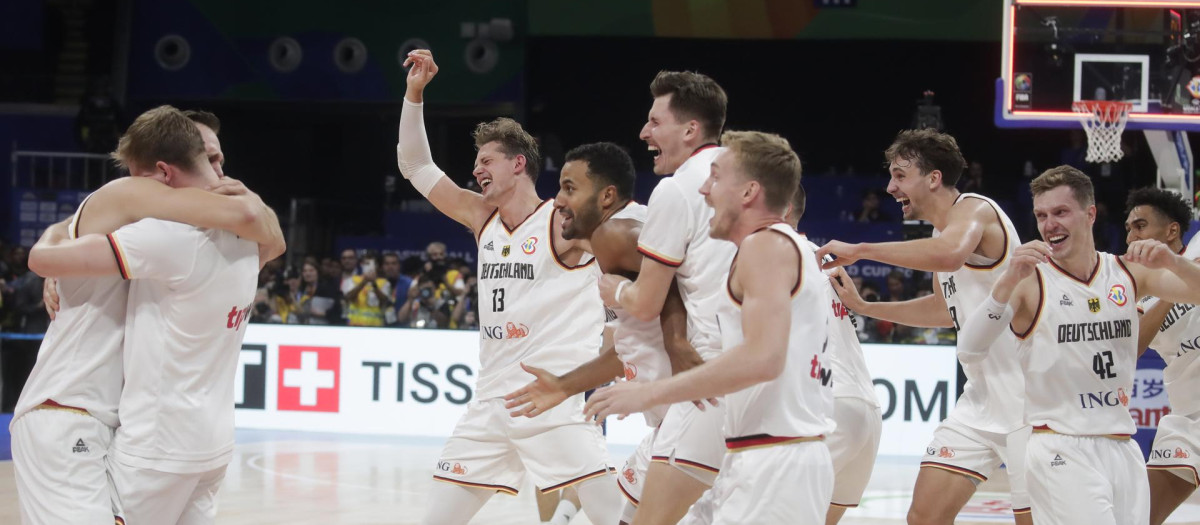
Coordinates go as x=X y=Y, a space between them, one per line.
x=369 y=296
x=424 y=309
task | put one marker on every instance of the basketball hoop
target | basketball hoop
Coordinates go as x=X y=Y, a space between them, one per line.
x=1103 y=120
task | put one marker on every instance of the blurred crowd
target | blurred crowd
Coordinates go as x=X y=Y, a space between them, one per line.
x=429 y=290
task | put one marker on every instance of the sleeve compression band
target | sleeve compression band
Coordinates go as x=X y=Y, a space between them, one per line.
x=981 y=329
x=412 y=150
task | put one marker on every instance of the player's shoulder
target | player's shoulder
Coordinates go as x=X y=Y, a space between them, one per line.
x=163 y=226
x=772 y=242
x=973 y=207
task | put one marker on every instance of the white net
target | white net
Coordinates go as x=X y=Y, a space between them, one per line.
x=1103 y=121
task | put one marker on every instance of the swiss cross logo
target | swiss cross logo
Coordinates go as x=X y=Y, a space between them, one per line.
x=309 y=378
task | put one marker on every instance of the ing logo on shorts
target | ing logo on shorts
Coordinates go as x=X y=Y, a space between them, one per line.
x=1181 y=453
x=630 y=371
x=945 y=452
x=456 y=469
x=1117 y=295
x=629 y=477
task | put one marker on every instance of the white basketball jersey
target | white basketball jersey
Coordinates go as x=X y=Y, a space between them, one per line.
x=532 y=307
x=190 y=297
x=676 y=234
x=1080 y=357
x=798 y=403
x=991 y=399
x=640 y=343
x=845 y=351
x=79 y=362
x=1176 y=341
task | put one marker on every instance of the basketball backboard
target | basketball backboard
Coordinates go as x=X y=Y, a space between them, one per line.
x=1056 y=52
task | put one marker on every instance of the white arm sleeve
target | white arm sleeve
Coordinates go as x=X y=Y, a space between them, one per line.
x=412 y=150
x=982 y=328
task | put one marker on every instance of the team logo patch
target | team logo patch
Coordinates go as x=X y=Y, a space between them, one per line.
x=504 y=250
x=629 y=477
x=945 y=452
x=630 y=371
x=1094 y=304
x=1066 y=301
x=529 y=246
x=1116 y=294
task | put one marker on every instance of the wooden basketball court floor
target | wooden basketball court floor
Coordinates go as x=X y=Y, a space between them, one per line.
x=300 y=477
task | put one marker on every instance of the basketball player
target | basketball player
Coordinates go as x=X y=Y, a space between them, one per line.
x=67 y=413
x=681 y=130
x=1170 y=329
x=595 y=199
x=247 y=219
x=773 y=370
x=854 y=442
x=539 y=307
x=1074 y=311
x=970 y=247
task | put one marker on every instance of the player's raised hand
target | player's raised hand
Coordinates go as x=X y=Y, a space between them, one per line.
x=844 y=253
x=620 y=399
x=49 y=296
x=536 y=398
x=423 y=68
x=608 y=289
x=1024 y=259
x=1150 y=253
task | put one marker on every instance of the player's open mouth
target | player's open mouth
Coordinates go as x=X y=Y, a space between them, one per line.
x=655 y=152
x=484 y=183
x=905 y=205
x=1056 y=239
x=568 y=218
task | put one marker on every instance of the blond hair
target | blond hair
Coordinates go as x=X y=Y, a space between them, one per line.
x=1065 y=175
x=160 y=134
x=769 y=160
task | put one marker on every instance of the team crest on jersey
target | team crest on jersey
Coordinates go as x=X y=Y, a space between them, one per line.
x=529 y=246
x=1094 y=304
x=504 y=250
x=1116 y=294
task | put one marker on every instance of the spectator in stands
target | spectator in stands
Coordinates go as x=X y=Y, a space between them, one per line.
x=331 y=271
x=369 y=296
x=289 y=299
x=264 y=308
x=423 y=309
x=470 y=321
x=466 y=302
x=896 y=286
x=870 y=210
x=320 y=300
x=27 y=316
x=396 y=280
x=973 y=178
x=349 y=263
